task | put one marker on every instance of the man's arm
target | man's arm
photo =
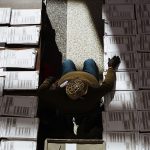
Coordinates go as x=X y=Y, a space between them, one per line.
x=110 y=78
x=109 y=81
x=46 y=84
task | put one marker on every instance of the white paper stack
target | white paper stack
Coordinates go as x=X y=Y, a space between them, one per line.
x=143 y=102
x=1 y=85
x=120 y=100
x=129 y=60
x=119 y=44
x=1 y=101
x=143 y=43
x=21 y=80
x=143 y=1
x=18 y=145
x=120 y=121
x=19 y=128
x=24 y=106
x=121 y=140
x=144 y=142
x=144 y=121
x=113 y=11
x=120 y=27
x=23 y=35
x=126 y=81
x=25 y=58
x=25 y=16
x=142 y=11
x=5 y=15
x=143 y=26
x=120 y=1
x=144 y=60
x=144 y=79
x=3 y=36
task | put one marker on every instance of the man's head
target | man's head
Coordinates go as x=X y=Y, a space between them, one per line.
x=76 y=88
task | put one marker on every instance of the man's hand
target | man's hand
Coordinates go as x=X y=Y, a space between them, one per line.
x=114 y=62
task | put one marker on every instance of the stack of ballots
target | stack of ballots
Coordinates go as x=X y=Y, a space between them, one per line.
x=126 y=121
x=19 y=76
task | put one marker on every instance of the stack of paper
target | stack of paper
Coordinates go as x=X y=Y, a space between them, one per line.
x=126 y=80
x=23 y=35
x=144 y=142
x=120 y=121
x=21 y=80
x=19 y=128
x=24 y=106
x=142 y=11
x=18 y=145
x=129 y=60
x=143 y=102
x=144 y=79
x=120 y=1
x=120 y=27
x=143 y=43
x=119 y=44
x=121 y=140
x=1 y=101
x=1 y=85
x=5 y=15
x=143 y=1
x=143 y=26
x=25 y=16
x=120 y=100
x=144 y=60
x=25 y=58
x=3 y=36
x=113 y=11
x=144 y=121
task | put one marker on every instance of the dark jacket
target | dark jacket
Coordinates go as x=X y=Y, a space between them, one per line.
x=57 y=98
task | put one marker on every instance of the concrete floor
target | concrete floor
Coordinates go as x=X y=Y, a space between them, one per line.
x=79 y=29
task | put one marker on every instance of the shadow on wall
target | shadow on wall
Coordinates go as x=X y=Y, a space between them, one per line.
x=51 y=57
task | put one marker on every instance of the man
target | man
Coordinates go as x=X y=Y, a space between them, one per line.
x=77 y=92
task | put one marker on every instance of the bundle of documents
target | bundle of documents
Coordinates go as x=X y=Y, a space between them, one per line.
x=21 y=80
x=23 y=35
x=143 y=102
x=119 y=44
x=3 y=36
x=143 y=1
x=126 y=80
x=143 y=43
x=25 y=58
x=24 y=106
x=1 y=85
x=142 y=10
x=144 y=79
x=144 y=141
x=120 y=27
x=121 y=140
x=120 y=121
x=25 y=16
x=5 y=15
x=129 y=60
x=144 y=60
x=19 y=128
x=120 y=1
x=18 y=145
x=120 y=100
x=144 y=121
x=143 y=26
x=113 y=11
